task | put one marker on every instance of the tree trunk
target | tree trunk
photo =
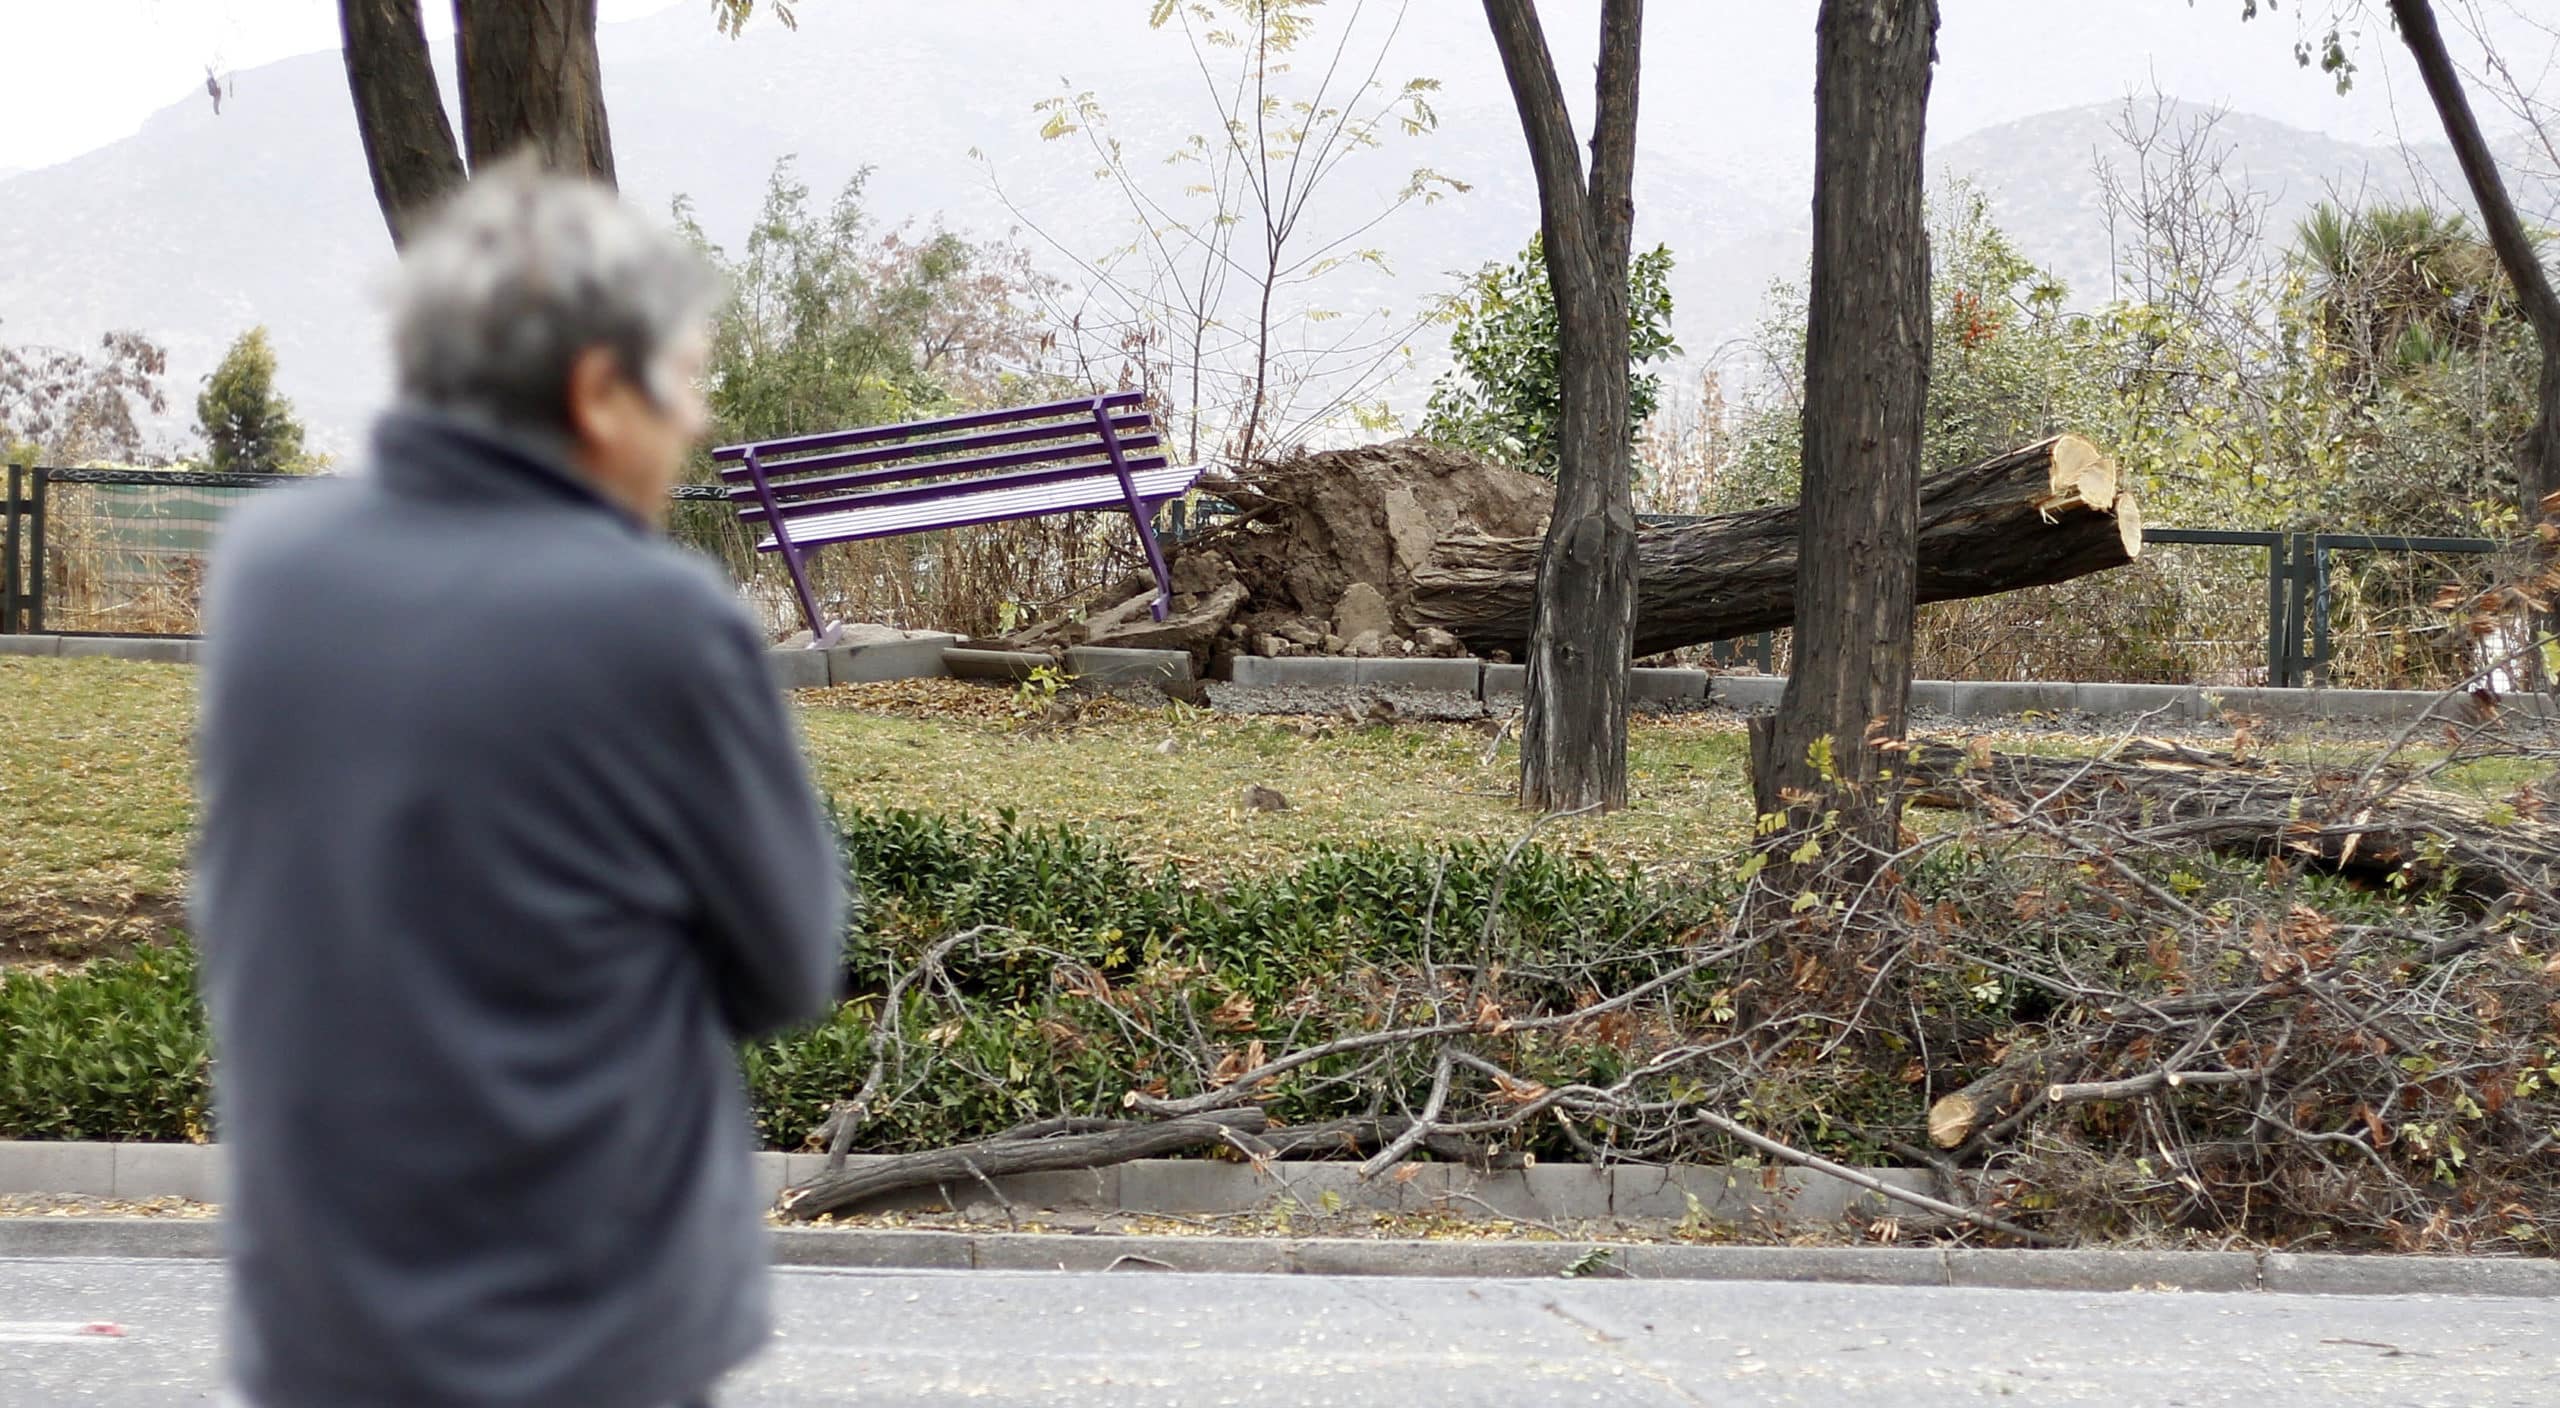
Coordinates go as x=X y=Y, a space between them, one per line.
x=2538 y=467
x=1866 y=391
x=400 y=117
x=1573 y=741
x=2046 y=513
x=1082 y=1145
x=530 y=77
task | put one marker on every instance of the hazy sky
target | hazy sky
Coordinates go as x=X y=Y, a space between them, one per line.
x=76 y=74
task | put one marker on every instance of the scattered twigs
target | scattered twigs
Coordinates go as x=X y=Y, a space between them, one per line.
x=1403 y=1144
x=2148 y=1083
x=1240 y=1089
x=2414 y=837
x=2157 y=988
x=837 y=1130
x=1785 y=1154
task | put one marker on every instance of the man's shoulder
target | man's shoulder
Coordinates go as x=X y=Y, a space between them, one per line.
x=653 y=600
x=262 y=542
x=289 y=513
x=679 y=582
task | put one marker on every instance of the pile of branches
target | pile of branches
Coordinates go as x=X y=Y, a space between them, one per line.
x=2150 y=992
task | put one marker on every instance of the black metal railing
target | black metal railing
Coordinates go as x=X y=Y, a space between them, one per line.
x=45 y=535
x=2298 y=596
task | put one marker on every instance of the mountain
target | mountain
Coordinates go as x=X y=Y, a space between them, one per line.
x=199 y=226
x=2047 y=176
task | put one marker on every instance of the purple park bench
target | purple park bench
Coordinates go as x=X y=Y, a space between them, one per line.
x=882 y=480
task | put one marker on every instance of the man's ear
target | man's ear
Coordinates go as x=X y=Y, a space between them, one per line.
x=595 y=381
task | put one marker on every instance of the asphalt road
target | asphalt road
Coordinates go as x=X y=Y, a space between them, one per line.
x=1135 y=1338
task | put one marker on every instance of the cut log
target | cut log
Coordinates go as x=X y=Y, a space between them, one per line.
x=1076 y=1144
x=1958 y=1117
x=2046 y=513
x=2384 y=834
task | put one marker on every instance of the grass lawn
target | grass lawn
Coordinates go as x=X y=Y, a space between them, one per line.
x=95 y=802
x=96 y=799
x=95 y=796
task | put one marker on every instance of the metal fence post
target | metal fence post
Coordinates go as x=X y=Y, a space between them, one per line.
x=34 y=610
x=9 y=551
x=2319 y=612
x=2302 y=610
x=2278 y=568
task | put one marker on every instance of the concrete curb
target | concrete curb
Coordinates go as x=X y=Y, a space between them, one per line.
x=935 y=657
x=1552 y=1193
x=157 y=650
x=1559 y=1194
x=1105 y=665
x=993 y=666
x=2069 y=1271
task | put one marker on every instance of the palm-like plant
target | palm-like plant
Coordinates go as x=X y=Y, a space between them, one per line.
x=2400 y=288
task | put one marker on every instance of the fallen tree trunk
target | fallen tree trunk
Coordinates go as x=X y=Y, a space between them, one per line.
x=2046 y=513
x=2398 y=835
x=972 y=1164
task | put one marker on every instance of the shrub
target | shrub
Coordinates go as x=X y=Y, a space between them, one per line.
x=114 y=1051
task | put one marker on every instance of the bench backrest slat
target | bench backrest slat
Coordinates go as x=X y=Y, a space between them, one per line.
x=874 y=434
x=993 y=461
x=792 y=492
x=919 y=457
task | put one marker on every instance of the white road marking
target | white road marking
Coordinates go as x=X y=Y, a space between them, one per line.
x=64 y=1332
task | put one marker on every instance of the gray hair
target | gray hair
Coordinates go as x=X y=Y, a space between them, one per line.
x=521 y=272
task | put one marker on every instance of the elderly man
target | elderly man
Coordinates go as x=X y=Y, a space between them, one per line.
x=506 y=841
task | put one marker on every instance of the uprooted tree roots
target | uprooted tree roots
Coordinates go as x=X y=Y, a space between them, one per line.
x=2099 y=1004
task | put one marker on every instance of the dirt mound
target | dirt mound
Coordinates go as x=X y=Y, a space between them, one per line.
x=1321 y=557
x=1315 y=527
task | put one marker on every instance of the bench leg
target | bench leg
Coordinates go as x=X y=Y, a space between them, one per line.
x=1141 y=511
x=808 y=599
x=790 y=551
x=1155 y=561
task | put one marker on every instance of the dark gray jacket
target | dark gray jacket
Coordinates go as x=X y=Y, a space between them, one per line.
x=505 y=842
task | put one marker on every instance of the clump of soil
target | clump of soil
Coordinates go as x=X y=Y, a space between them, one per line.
x=1319 y=561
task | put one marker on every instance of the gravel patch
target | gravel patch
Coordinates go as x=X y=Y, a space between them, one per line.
x=1382 y=703
x=1390 y=703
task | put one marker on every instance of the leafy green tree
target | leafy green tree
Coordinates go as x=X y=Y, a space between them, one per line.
x=247 y=427
x=2007 y=364
x=838 y=323
x=1504 y=397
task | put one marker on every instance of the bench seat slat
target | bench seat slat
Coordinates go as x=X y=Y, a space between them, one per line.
x=988 y=505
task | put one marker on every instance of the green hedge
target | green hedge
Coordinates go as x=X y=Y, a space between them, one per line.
x=1049 y=1011
x=114 y=1051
